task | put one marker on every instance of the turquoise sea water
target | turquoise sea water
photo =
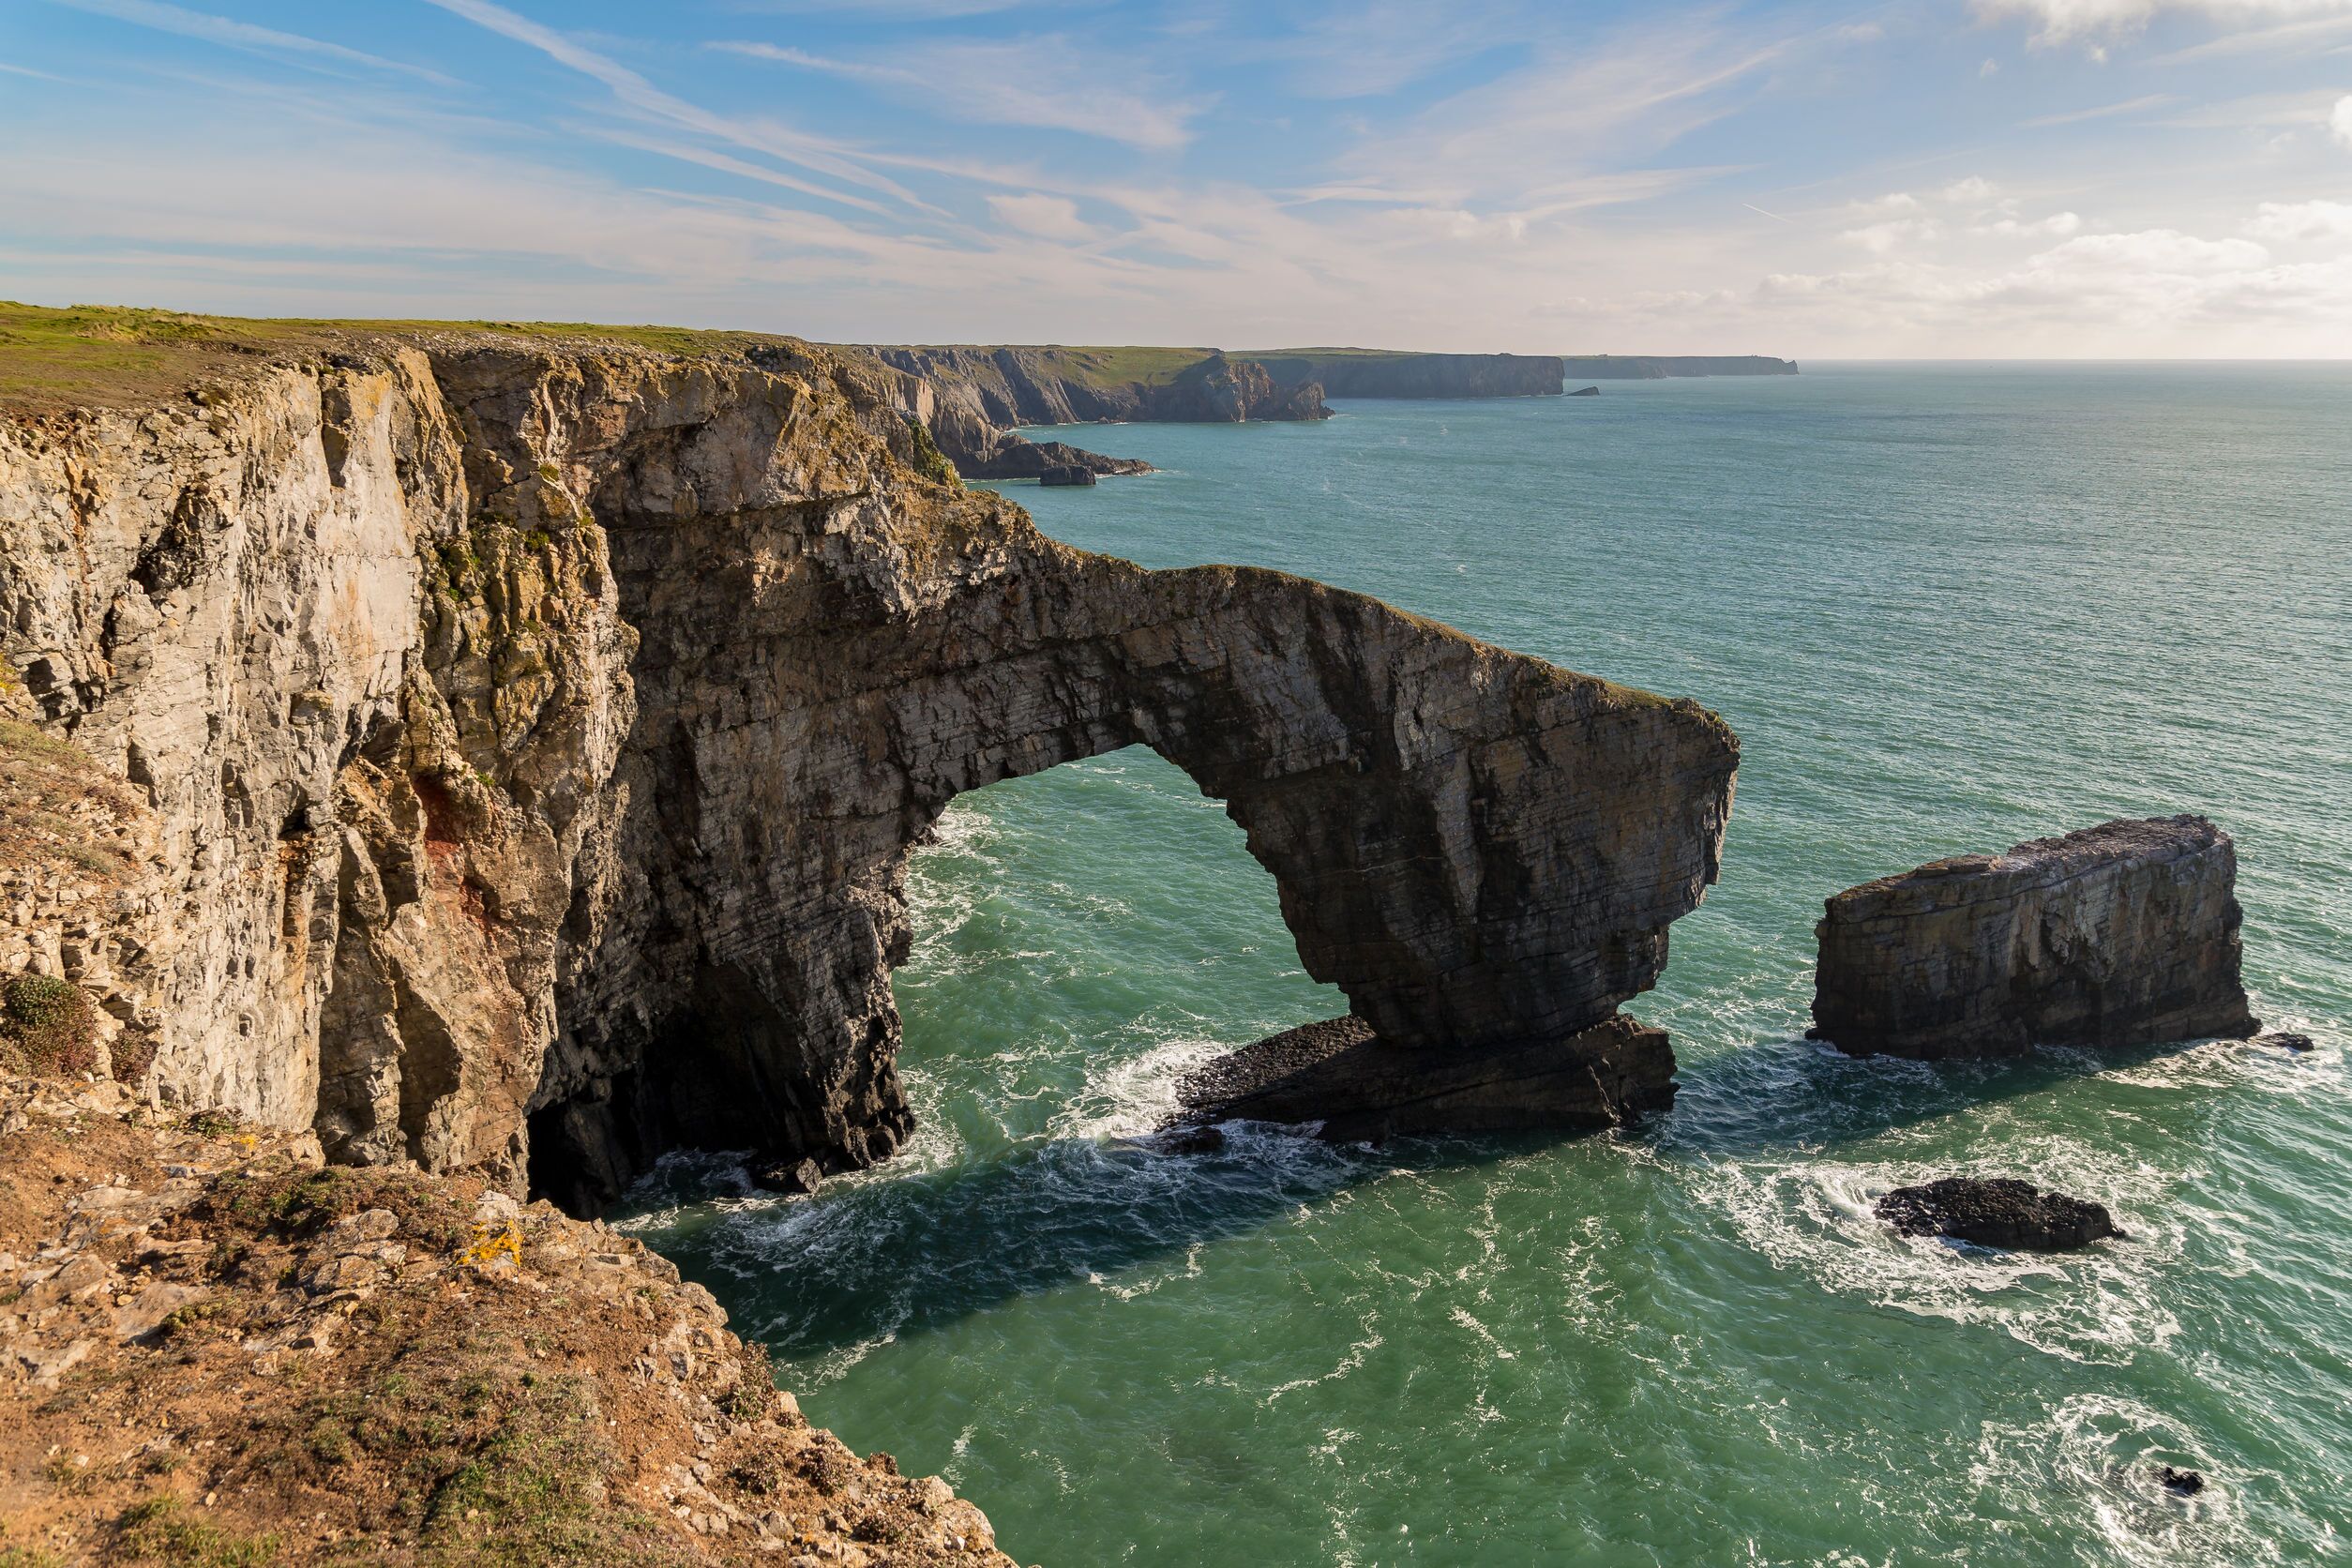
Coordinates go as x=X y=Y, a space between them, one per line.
x=1946 y=607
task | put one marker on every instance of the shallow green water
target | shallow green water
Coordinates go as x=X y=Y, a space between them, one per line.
x=1946 y=607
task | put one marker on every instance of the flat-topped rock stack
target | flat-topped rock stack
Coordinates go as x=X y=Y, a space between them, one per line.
x=2126 y=933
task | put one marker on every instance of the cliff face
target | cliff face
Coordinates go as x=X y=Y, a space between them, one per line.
x=531 y=739
x=1418 y=376
x=973 y=394
x=2120 y=934
x=1657 y=366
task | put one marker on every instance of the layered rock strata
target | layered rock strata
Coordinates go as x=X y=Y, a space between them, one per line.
x=532 y=736
x=1340 y=1075
x=2121 y=934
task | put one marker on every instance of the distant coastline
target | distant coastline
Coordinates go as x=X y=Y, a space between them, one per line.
x=973 y=397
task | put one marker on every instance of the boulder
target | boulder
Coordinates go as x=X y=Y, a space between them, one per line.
x=2126 y=933
x=2286 y=1040
x=2180 y=1482
x=2001 y=1211
x=1067 y=474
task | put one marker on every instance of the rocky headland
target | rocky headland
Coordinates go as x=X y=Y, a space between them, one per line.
x=482 y=758
x=974 y=397
x=508 y=747
x=2126 y=933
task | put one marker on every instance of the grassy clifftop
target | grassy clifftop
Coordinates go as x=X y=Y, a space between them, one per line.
x=106 y=355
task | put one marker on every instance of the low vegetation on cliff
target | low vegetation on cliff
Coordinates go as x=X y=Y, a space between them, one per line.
x=220 y=1355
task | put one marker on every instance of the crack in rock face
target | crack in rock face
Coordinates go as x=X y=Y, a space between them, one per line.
x=536 y=734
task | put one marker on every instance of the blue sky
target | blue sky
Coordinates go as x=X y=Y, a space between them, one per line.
x=1916 y=177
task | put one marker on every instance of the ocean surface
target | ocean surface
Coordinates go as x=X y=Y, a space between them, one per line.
x=1946 y=607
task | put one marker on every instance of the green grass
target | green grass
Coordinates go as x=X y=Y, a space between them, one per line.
x=125 y=356
x=161 y=1529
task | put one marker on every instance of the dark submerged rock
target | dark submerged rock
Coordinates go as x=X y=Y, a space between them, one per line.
x=2002 y=1213
x=2180 y=1482
x=790 y=1176
x=1190 y=1138
x=1586 y=392
x=2285 y=1040
x=2122 y=934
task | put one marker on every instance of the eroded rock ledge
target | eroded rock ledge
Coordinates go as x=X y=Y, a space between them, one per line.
x=532 y=736
x=2125 y=933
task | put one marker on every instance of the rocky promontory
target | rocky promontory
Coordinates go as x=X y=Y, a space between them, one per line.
x=2121 y=934
x=514 y=741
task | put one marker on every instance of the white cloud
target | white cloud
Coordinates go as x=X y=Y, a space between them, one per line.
x=1880 y=239
x=2057 y=226
x=1046 y=216
x=1047 y=83
x=2284 y=222
x=2340 y=120
x=2057 y=21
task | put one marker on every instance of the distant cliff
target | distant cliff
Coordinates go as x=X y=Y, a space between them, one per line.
x=1377 y=374
x=1657 y=366
x=980 y=392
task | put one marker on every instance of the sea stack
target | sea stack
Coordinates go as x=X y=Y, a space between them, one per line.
x=2122 y=934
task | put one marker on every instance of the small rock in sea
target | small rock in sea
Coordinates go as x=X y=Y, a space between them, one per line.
x=2284 y=1041
x=1197 y=1139
x=2180 y=1482
x=2000 y=1213
x=1067 y=474
x=788 y=1175
x=1586 y=392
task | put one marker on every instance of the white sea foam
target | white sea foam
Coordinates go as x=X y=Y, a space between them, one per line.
x=2101 y=1454
x=2101 y=1304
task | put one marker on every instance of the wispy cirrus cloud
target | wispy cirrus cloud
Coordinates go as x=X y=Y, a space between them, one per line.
x=2103 y=112
x=293 y=47
x=1047 y=83
x=763 y=135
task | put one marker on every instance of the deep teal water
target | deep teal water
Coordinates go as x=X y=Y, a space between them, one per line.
x=1946 y=607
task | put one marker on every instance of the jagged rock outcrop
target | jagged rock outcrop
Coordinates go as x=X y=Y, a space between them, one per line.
x=534 y=734
x=1998 y=1212
x=2120 y=934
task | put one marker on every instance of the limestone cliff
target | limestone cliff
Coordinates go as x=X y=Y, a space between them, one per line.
x=531 y=733
x=1658 y=367
x=2120 y=934
x=1372 y=373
